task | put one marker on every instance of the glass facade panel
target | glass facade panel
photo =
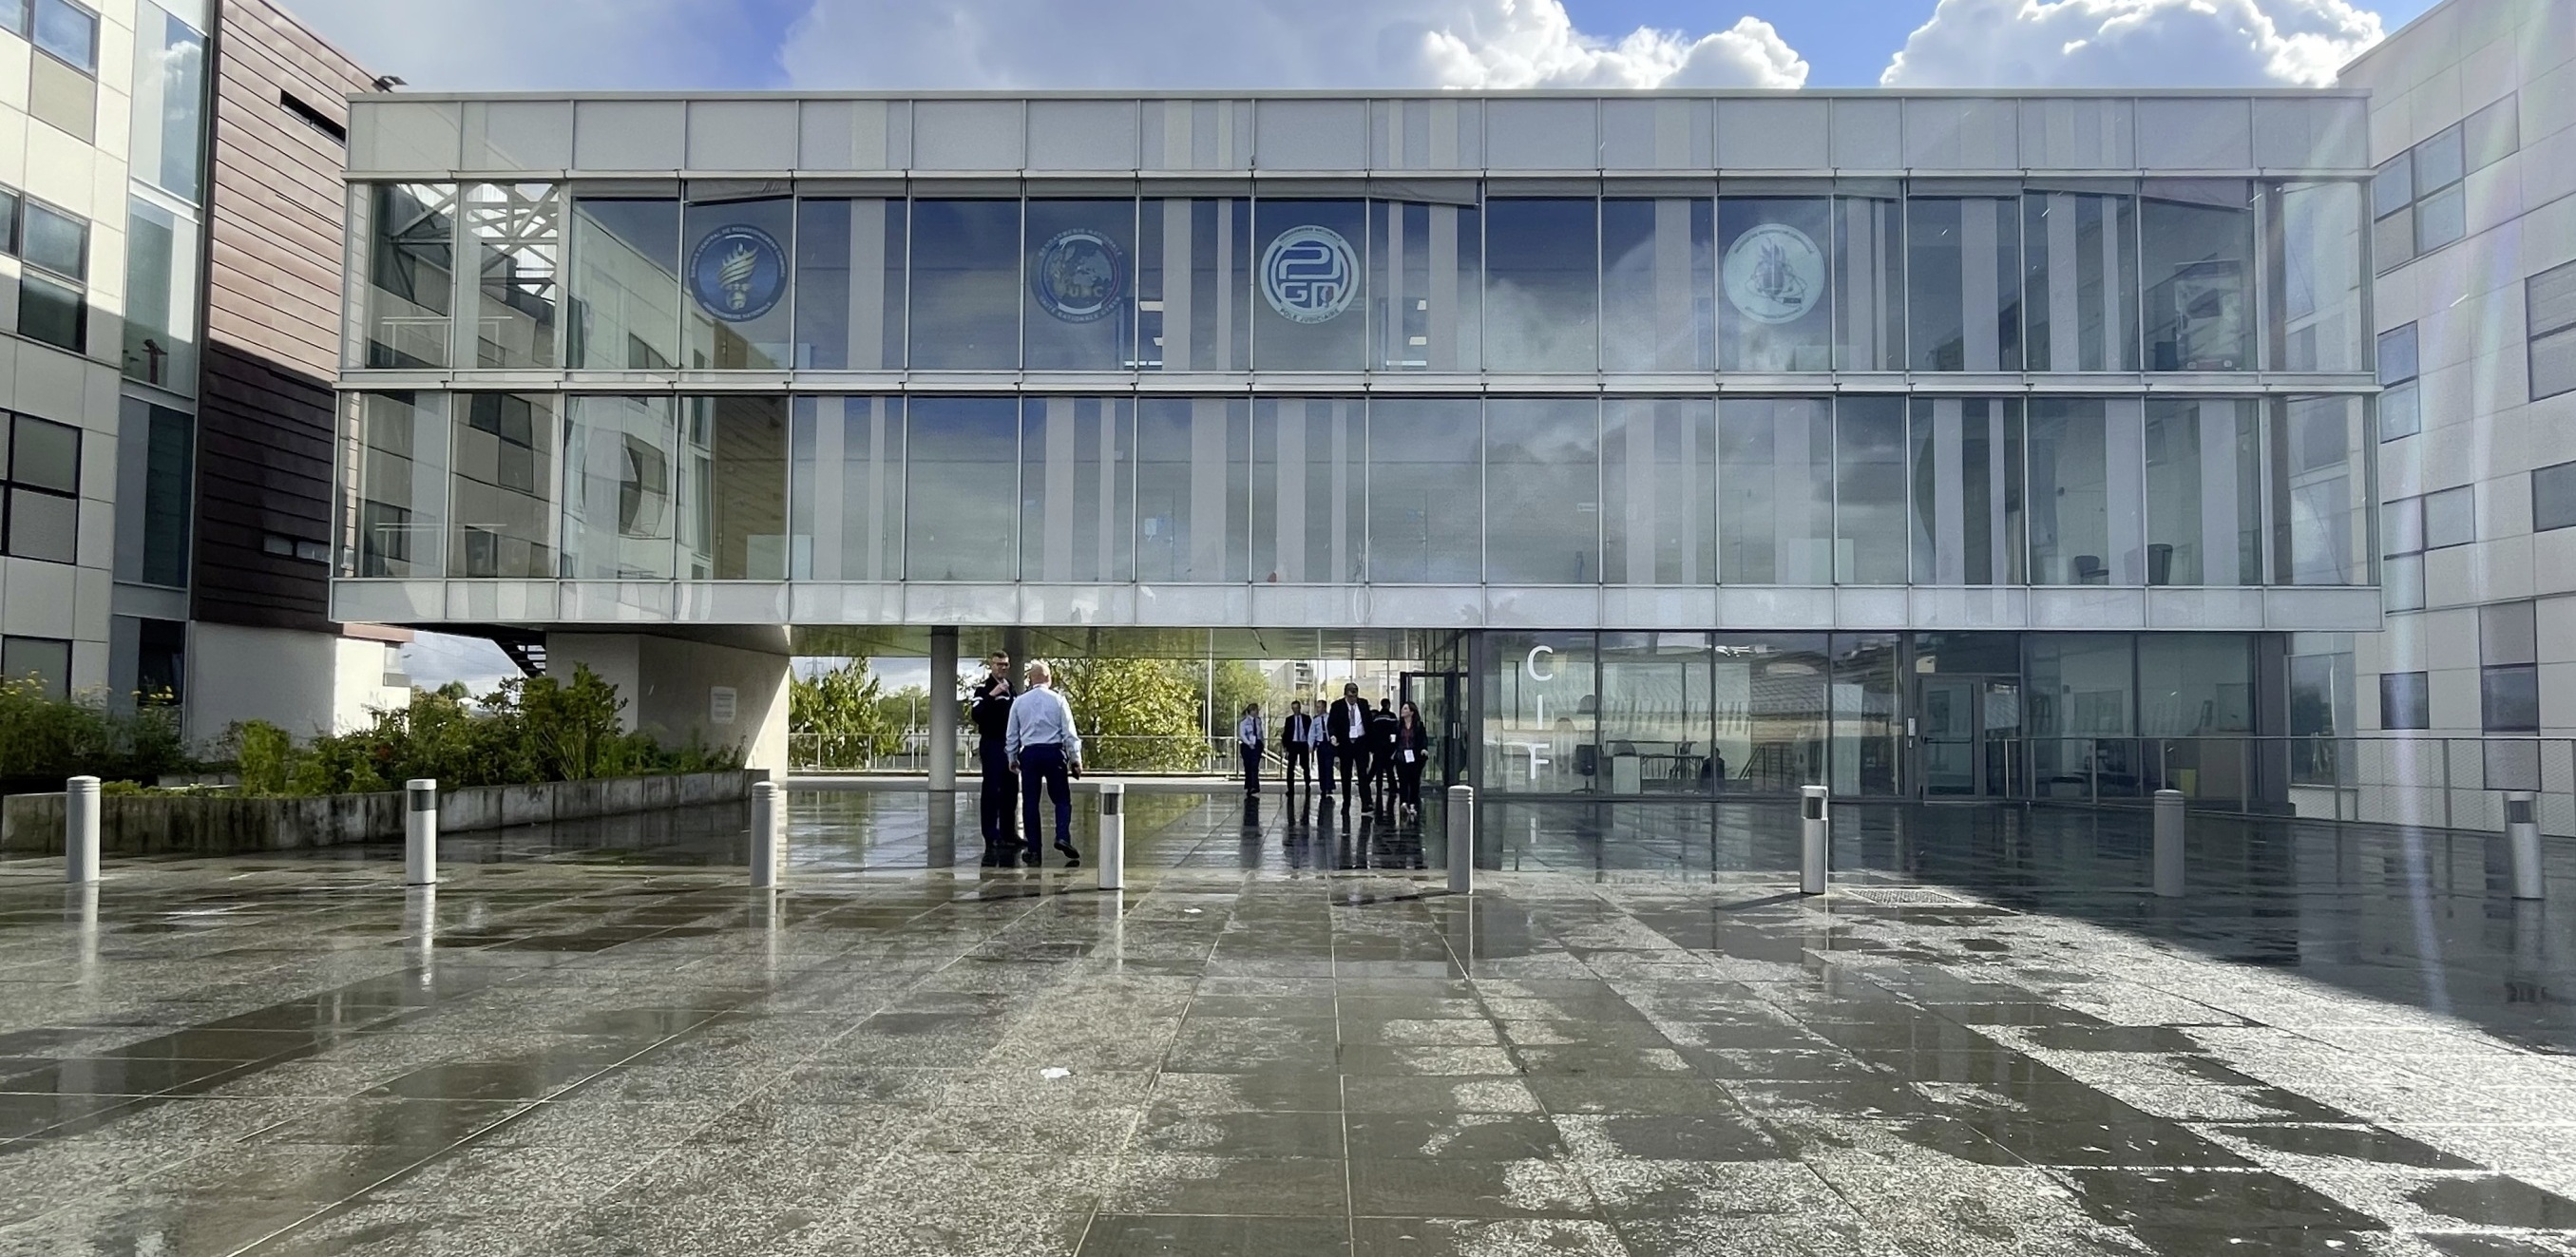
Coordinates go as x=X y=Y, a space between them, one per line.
x=169 y=102
x=1077 y=489
x=2086 y=508
x=1869 y=491
x=1079 y=311
x=625 y=285
x=1772 y=712
x=1543 y=484
x=1967 y=474
x=1659 y=492
x=401 y=483
x=1774 y=313
x=1654 y=714
x=1869 y=719
x=962 y=490
x=621 y=488
x=1658 y=271
x=737 y=452
x=1424 y=264
x=1776 y=480
x=845 y=489
x=2313 y=265
x=518 y=244
x=1869 y=283
x=1308 y=481
x=965 y=286
x=501 y=498
x=2081 y=695
x=2199 y=265
x=1425 y=493
x=737 y=275
x=2321 y=491
x=1193 y=489
x=411 y=274
x=1308 y=266
x=849 y=284
x=1542 y=284
x=2082 y=280
x=2204 y=492
x=160 y=297
x=1542 y=714
x=1194 y=284
x=1963 y=268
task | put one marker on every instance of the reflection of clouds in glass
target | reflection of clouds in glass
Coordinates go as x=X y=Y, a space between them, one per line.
x=1533 y=330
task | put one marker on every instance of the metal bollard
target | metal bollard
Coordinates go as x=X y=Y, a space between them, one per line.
x=2168 y=852
x=1815 y=838
x=1462 y=840
x=764 y=835
x=1113 y=835
x=420 y=831
x=2522 y=843
x=80 y=830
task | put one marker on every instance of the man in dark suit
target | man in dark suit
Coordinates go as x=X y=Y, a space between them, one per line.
x=1381 y=753
x=1346 y=732
x=1295 y=750
x=992 y=716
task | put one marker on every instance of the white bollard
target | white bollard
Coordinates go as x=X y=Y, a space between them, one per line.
x=1815 y=838
x=1462 y=840
x=2168 y=852
x=420 y=831
x=1113 y=835
x=80 y=830
x=764 y=835
x=2522 y=844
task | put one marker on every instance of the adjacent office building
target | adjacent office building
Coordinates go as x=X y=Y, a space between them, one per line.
x=1923 y=444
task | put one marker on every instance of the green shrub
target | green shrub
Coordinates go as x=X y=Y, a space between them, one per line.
x=45 y=739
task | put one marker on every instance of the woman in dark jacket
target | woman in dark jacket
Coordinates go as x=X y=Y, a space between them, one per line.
x=1412 y=751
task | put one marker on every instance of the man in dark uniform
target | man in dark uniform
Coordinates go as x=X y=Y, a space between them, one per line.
x=992 y=716
x=1381 y=756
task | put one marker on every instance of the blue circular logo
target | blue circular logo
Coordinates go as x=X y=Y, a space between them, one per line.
x=1079 y=276
x=738 y=273
x=1309 y=274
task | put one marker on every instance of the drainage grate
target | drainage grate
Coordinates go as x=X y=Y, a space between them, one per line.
x=1902 y=898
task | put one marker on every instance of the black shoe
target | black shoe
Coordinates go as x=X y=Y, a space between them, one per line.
x=1072 y=855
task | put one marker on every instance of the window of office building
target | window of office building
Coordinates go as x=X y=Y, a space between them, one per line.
x=1658 y=267
x=410 y=243
x=1193 y=489
x=1426 y=298
x=2204 y=492
x=160 y=297
x=62 y=85
x=734 y=498
x=401 y=483
x=1077 y=489
x=1543 y=490
x=2198 y=263
x=501 y=498
x=169 y=102
x=2084 y=493
x=1968 y=521
x=965 y=285
x=2400 y=405
x=1869 y=491
x=1078 y=308
x=42 y=479
x=2553 y=497
x=1659 y=492
x=736 y=308
x=1425 y=492
x=517 y=239
x=2508 y=680
x=1869 y=277
x=1776 y=479
x=53 y=297
x=2318 y=461
x=2081 y=279
x=2313 y=266
x=1308 y=482
x=1774 y=309
x=2405 y=701
x=2550 y=308
x=2450 y=517
x=2418 y=200
x=962 y=493
x=155 y=480
x=1307 y=269
x=849 y=284
x=2080 y=703
x=621 y=491
x=45 y=661
x=1773 y=712
x=1542 y=284
x=1194 y=284
x=845 y=489
x=1963 y=275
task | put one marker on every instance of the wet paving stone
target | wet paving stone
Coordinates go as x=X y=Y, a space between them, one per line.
x=1287 y=1040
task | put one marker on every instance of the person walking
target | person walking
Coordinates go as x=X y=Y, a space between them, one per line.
x=991 y=713
x=1381 y=763
x=1247 y=746
x=1047 y=752
x=1296 y=747
x=1412 y=750
x=1346 y=733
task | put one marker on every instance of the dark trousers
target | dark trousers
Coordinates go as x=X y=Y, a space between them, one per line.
x=1324 y=757
x=1354 y=765
x=1298 y=756
x=1045 y=766
x=1381 y=777
x=1251 y=756
x=1409 y=781
x=1000 y=797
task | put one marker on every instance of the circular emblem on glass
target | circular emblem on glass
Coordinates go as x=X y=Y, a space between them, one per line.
x=1310 y=274
x=738 y=273
x=1774 y=273
x=1079 y=276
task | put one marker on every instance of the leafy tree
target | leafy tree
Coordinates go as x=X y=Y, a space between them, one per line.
x=1239 y=683
x=848 y=715
x=1136 y=715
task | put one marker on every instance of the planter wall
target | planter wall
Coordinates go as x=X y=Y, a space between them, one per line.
x=32 y=824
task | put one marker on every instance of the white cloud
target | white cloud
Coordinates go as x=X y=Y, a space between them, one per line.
x=2133 y=43
x=1226 y=44
x=466 y=45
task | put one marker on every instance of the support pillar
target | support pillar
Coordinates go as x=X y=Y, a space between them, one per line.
x=943 y=707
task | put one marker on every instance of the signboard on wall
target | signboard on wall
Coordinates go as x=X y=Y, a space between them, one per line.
x=723 y=704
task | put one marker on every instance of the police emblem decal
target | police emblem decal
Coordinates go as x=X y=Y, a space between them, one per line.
x=1079 y=276
x=1774 y=273
x=738 y=273
x=1310 y=274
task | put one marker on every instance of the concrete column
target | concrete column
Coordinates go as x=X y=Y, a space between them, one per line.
x=723 y=687
x=943 y=707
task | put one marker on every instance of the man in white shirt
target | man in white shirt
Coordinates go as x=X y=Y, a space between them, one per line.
x=1045 y=750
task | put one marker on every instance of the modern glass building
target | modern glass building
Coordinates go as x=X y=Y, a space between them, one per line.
x=1913 y=443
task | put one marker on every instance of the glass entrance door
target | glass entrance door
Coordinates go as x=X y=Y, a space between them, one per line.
x=1971 y=736
x=1439 y=696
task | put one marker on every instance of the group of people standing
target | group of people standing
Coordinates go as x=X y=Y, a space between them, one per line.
x=1025 y=744
x=1377 y=754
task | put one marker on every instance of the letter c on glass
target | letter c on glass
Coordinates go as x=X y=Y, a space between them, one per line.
x=1531 y=664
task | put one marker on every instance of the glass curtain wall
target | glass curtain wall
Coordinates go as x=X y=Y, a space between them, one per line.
x=1078 y=309
x=1077 y=489
x=2198 y=260
x=2204 y=492
x=1308 y=482
x=410 y=234
x=1543 y=491
x=2081 y=279
x=1963 y=271
x=962 y=490
x=1542 y=284
x=1658 y=492
x=1656 y=717
x=2086 y=511
x=1776 y=510
x=1308 y=259
x=2320 y=467
x=738 y=456
x=1775 y=313
x=1658 y=269
x=517 y=235
x=401 y=483
x=626 y=284
x=1425 y=266
x=1870 y=530
x=1425 y=492
x=965 y=286
x=621 y=488
x=1194 y=284
x=2313 y=266
x=1968 y=521
x=501 y=500
x=845 y=489
x=849 y=285
x=2079 y=702
x=1193 y=489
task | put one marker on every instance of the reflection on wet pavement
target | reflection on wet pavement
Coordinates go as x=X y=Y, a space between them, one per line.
x=1284 y=1038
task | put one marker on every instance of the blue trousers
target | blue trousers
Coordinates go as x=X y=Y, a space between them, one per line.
x=1045 y=766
